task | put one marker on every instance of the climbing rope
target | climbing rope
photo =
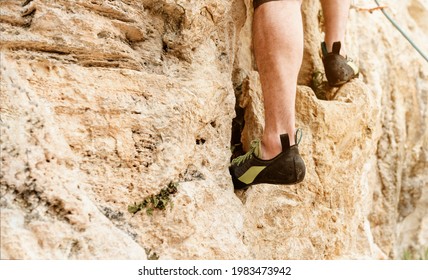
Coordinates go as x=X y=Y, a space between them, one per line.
x=401 y=31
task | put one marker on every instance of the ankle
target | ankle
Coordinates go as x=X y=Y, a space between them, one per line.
x=270 y=150
x=271 y=146
x=329 y=47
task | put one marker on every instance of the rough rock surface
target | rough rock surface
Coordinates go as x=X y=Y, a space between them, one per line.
x=104 y=103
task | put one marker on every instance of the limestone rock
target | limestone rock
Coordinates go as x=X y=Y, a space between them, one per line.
x=45 y=211
x=104 y=103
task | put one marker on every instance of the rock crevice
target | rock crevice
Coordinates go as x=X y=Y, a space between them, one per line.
x=105 y=103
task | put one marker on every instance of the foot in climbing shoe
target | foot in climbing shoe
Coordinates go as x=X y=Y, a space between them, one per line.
x=338 y=69
x=287 y=168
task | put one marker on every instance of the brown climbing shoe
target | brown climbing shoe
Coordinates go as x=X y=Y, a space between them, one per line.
x=287 y=168
x=338 y=69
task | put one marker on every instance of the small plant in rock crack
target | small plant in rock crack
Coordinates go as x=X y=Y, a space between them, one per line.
x=319 y=85
x=151 y=255
x=158 y=201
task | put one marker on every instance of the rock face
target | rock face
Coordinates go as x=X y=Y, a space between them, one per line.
x=104 y=103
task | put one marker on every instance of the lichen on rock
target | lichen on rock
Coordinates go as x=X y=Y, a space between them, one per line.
x=104 y=103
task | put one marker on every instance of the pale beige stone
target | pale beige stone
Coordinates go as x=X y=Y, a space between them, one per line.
x=106 y=102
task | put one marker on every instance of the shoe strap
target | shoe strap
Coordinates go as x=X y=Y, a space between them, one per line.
x=285 y=141
x=336 y=47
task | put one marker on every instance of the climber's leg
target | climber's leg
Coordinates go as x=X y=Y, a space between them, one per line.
x=339 y=69
x=278 y=50
x=335 y=18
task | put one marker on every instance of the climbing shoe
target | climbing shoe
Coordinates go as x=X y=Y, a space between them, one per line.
x=287 y=168
x=338 y=69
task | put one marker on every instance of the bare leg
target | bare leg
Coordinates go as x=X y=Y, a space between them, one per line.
x=335 y=18
x=278 y=49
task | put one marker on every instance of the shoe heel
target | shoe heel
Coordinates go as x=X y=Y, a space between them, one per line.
x=337 y=70
x=299 y=169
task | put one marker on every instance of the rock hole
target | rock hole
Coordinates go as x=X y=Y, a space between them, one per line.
x=200 y=141
x=165 y=47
